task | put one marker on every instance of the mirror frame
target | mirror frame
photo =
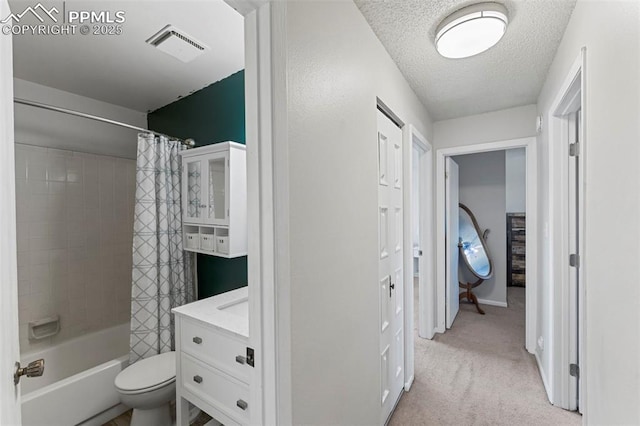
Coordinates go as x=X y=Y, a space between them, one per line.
x=484 y=245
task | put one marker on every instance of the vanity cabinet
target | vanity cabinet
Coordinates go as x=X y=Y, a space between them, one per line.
x=214 y=199
x=214 y=361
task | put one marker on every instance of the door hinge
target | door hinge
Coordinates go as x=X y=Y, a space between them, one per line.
x=574 y=260
x=574 y=370
x=574 y=149
x=251 y=357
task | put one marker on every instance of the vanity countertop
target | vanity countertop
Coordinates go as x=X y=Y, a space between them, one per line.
x=227 y=311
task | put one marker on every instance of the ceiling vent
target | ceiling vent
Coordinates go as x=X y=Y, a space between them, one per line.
x=177 y=44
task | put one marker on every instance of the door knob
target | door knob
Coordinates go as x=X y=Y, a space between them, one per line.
x=34 y=369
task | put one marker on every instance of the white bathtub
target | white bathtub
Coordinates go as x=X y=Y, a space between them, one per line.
x=77 y=385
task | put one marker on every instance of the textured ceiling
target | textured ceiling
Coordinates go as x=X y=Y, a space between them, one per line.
x=123 y=69
x=510 y=74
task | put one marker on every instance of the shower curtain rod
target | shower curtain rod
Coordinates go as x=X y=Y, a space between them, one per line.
x=189 y=142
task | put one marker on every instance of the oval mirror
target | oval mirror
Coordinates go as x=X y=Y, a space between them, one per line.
x=472 y=245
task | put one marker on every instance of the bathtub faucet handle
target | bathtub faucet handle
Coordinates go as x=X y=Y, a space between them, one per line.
x=34 y=369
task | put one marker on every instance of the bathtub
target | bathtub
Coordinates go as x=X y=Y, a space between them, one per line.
x=77 y=385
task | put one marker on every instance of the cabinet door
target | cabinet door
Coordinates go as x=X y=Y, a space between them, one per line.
x=193 y=190
x=217 y=187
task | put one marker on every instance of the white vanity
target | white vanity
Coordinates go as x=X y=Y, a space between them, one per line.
x=214 y=360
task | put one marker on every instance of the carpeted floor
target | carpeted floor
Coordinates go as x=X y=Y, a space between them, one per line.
x=478 y=373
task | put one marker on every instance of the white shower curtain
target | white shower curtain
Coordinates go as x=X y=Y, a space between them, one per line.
x=162 y=272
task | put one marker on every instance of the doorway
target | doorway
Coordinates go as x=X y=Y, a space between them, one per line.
x=489 y=193
x=446 y=292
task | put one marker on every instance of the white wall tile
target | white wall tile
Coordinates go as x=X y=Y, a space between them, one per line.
x=75 y=215
x=21 y=163
x=56 y=169
x=38 y=187
x=59 y=190
x=37 y=169
x=74 y=169
x=38 y=257
x=24 y=286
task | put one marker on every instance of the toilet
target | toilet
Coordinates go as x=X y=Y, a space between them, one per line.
x=148 y=386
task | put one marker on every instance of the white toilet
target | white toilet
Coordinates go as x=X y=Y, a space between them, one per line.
x=148 y=386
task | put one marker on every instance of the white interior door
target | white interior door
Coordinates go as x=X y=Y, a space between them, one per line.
x=390 y=277
x=9 y=343
x=452 y=200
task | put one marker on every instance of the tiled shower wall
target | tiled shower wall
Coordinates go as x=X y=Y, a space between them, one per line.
x=75 y=231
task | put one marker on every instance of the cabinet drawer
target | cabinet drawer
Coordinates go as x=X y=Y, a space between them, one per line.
x=224 y=393
x=221 y=351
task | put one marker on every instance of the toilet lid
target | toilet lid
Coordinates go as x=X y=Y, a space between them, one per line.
x=148 y=373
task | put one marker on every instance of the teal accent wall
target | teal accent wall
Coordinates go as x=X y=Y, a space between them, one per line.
x=210 y=115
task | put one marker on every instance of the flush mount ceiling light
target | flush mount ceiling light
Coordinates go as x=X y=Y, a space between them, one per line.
x=471 y=30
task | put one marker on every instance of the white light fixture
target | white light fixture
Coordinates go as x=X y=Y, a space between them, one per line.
x=471 y=30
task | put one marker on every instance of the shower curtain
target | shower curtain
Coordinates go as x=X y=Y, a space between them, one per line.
x=162 y=275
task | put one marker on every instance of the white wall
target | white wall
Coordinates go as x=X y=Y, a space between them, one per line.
x=35 y=126
x=336 y=67
x=482 y=189
x=512 y=123
x=611 y=33
x=516 y=180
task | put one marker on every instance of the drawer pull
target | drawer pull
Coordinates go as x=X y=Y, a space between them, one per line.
x=241 y=360
x=197 y=379
x=197 y=340
x=242 y=405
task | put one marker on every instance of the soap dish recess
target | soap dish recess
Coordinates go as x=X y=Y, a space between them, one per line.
x=44 y=328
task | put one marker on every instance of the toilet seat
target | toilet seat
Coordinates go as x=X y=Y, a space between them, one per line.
x=148 y=374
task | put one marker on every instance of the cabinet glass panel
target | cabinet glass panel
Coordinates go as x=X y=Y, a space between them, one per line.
x=217 y=188
x=194 y=189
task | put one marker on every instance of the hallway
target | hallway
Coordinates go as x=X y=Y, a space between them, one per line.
x=478 y=373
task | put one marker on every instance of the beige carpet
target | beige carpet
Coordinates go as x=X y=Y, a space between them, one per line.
x=478 y=373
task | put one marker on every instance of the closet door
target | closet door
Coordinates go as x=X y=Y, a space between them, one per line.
x=390 y=273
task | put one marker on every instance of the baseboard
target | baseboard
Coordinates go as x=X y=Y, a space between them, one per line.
x=493 y=303
x=547 y=388
x=428 y=336
x=386 y=423
x=408 y=383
